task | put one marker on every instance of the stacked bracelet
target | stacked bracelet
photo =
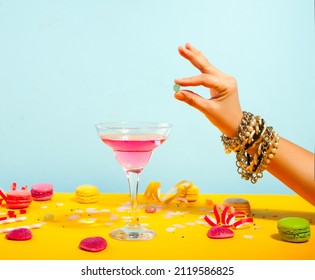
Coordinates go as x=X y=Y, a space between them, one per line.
x=252 y=133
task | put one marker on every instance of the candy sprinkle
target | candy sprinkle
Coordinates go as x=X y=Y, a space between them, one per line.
x=176 y=87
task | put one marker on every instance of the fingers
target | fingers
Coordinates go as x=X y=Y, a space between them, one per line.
x=196 y=58
x=210 y=81
x=192 y=99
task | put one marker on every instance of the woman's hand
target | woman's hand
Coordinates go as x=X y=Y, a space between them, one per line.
x=222 y=108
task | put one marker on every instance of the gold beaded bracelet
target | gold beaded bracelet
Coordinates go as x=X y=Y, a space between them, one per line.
x=252 y=132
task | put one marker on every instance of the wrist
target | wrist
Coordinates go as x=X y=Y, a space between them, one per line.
x=232 y=124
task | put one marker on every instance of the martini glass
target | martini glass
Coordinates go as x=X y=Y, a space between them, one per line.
x=133 y=144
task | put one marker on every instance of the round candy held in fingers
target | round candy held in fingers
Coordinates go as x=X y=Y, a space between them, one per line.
x=176 y=87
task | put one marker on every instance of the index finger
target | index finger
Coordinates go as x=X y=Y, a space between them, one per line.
x=196 y=58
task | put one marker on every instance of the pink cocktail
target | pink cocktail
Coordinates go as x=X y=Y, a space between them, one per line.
x=133 y=144
x=133 y=152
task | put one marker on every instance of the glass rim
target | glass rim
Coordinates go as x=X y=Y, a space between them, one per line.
x=133 y=125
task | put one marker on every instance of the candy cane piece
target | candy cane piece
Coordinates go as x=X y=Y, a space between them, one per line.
x=210 y=221
x=2 y=194
x=243 y=222
x=33 y=226
x=12 y=220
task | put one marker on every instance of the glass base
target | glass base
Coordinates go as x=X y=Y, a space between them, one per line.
x=126 y=233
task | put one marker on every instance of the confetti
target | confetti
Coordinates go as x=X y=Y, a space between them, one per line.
x=126 y=217
x=49 y=217
x=90 y=210
x=170 y=229
x=202 y=223
x=95 y=211
x=178 y=226
x=144 y=224
x=113 y=217
x=87 y=221
x=73 y=217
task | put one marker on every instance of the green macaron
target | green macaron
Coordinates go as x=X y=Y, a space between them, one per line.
x=294 y=229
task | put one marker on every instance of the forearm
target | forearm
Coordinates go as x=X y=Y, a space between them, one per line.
x=294 y=166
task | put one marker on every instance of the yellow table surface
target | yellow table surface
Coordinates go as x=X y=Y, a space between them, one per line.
x=59 y=239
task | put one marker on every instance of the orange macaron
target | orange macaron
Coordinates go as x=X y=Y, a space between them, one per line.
x=239 y=204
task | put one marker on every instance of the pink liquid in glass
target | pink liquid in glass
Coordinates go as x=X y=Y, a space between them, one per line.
x=133 y=151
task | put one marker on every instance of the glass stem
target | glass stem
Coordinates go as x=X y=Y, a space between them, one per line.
x=133 y=181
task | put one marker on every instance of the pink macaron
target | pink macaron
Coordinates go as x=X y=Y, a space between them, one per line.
x=42 y=191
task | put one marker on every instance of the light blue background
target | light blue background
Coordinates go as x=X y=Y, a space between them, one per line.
x=67 y=65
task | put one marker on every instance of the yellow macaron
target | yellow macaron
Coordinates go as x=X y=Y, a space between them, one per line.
x=190 y=193
x=87 y=194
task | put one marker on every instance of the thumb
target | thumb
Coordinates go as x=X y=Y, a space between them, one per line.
x=192 y=99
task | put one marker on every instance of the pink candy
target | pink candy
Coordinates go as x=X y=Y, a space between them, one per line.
x=19 y=234
x=150 y=209
x=93 y=244
x=218 y=232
